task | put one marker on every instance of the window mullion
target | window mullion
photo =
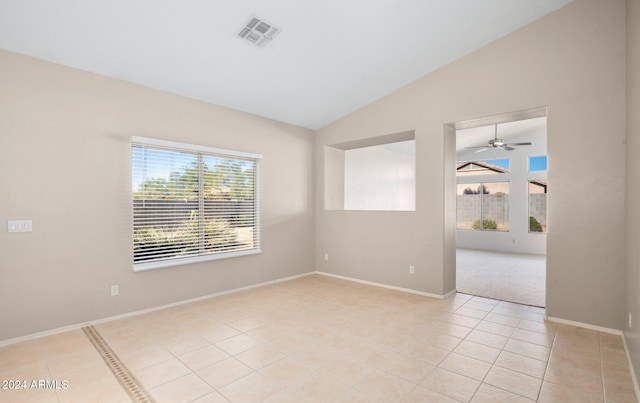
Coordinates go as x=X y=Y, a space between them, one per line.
x=482 y=206
x=201 y=222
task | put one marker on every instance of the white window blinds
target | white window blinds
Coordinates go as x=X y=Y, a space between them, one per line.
x=192 y=203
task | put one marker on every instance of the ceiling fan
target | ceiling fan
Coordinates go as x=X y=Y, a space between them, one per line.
x=496 y=143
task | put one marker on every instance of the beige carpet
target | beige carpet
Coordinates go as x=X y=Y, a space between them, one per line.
x=504 y=276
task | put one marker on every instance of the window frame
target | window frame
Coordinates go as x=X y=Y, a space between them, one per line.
x=201 y=152
x=481 y=219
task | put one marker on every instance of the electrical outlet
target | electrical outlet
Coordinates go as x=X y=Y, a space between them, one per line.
x=412 y=270
x=326 y=256
x=114 y=290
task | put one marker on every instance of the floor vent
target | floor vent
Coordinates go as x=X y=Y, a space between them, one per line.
x=128 y=382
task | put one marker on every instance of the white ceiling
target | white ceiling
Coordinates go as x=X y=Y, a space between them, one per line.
x=330 y=58
x=531 y=130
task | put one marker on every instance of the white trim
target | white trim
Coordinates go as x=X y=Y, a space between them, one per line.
x=391 y=287
x=143 y=311
x=193 y=147
x=584 y=325
x=179 y=261
x=633 y=373
x=450 y=294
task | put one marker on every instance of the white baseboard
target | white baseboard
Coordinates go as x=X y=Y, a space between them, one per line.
x=633 y=373
x=143 y=311
x=391 y=287
x=584 y=325
x=450 y=294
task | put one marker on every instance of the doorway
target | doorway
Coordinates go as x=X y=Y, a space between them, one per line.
x=498 y=193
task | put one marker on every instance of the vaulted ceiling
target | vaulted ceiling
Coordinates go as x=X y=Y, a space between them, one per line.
x=328 y=58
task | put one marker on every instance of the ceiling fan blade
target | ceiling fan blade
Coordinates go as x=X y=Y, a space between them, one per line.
x=517 y=144
x=481 y=150
x=506 y=147
x=476 y=147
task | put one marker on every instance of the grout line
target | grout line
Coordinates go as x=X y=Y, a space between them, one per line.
x=546 y=368
x=128 y=382
x=604 y=391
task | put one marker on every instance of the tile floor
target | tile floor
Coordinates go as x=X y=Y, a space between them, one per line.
x=321 y=339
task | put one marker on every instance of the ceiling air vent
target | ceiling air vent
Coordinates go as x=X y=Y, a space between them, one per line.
x=258 y=32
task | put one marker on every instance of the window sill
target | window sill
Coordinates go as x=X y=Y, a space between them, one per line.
x=180 y=261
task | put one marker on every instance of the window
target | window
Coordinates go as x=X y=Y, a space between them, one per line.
x=192 y=203
x=538 y=206
x=483 y=206
x=482 y=167
x=538 y=163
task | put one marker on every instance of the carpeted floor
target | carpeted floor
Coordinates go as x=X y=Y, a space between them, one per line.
x=504 y=276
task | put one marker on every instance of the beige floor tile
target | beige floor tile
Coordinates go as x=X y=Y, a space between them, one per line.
x=38 y=370
x=450 y=329
x=248 y=323
x=213 y=397
x=314 y=356
x=219 y=333
x=104 y=389
x=25 y=353
x=528 y=349
x=533 y=337
x=477 y=351
x=318 y=389
x=520 y=363
x=347 y=369
x=462 y=320
x=496 y=328
x=450 y=384
x=30 y=396
x=238 y=344
x=224 y=372
x=586 y=379
x=545 y=327
x=490 y=394
x=144 y=357
x=488 y=339
x=503 y=319
x=407 y=367
x=185 y=389
x=514 y=382
x=252 y=388
x=286 y=371
x=268 y=332
x=383 y=386
x=184 y=344
x=466 y=366
x=426 y=352
x=483 y=305
x=512 y=310
x=553 y=393
x=325 y=339
x=260 y=356
x=283 y=397
x=422 y=395
x=203 y=357
x=161 y=373
x=87 y=375
x=471 y=312
x=63 y=364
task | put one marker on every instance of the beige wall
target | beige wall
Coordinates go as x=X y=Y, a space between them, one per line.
x=65 y=164
x=571 y=61
x=633 y=181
